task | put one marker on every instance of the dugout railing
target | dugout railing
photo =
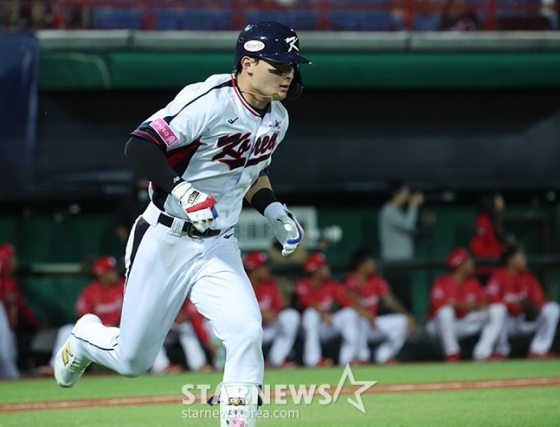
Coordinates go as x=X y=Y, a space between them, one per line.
x=364 y=15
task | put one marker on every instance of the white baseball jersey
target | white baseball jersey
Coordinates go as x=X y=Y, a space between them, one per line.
x=216 y=141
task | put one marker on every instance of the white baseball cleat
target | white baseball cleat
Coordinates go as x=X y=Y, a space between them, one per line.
x=68 y=366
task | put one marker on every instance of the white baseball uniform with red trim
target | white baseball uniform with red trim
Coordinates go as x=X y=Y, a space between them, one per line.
x=453 y=324
x=511 y=289
x=282 y=331
x=344 y=322
x=390 y=330
x=215 y=140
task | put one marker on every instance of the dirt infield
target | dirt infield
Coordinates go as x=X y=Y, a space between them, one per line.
x=378 y=388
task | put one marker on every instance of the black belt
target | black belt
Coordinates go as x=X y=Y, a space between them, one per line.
x=188 y=228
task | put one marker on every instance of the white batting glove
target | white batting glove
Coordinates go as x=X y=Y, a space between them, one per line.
x=285 y=226
x=198 y=206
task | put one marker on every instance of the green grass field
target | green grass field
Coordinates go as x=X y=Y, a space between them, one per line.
x=523 y=406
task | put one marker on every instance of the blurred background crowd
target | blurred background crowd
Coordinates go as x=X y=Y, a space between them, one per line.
x=220 y=15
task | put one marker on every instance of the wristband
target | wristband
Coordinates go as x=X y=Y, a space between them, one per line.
x=262 y=199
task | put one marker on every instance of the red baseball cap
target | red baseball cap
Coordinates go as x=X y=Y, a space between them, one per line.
x=103 y=265
x=457 y=257
x=254 y=259
x=313 y=262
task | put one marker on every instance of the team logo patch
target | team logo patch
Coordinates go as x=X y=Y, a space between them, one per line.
x=292 y=43
x=193 y=197
x=164 y=131
x=253 y=46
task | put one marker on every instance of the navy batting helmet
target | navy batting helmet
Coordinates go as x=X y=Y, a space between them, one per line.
x=275 y=42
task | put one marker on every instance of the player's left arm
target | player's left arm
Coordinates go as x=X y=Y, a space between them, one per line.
x=284 y=224
x=533 y=303
x=536 y=292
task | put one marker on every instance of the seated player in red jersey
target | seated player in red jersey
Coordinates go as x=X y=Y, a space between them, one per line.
x=327 y=313
x=527 y=309
x=192 y=331
x=280 y=323
x=13 y=309
x=102 y=297
x=390 y=330
x=459 y=308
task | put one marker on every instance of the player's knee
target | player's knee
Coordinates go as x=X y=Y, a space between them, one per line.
x=349 y=315
x=551 y=310
x=402 y=324
x=446 y=313
x=311 y=317
x=248 y=335
x=497 y=312
x=134 y=367
x=290 y=318
x=255 y=333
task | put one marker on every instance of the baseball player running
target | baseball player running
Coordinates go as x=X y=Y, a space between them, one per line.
x=459 y=308
x=280 y=323
x=204 y=152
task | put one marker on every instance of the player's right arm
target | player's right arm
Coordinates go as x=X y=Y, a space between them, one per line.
x=151 y=162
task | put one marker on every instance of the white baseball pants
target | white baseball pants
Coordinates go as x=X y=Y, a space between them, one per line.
x=162 y=270
x=544 y=328
x=282 y=333
x=345 y=323
x=8 y=352
x=389 y=329
x=450 y=329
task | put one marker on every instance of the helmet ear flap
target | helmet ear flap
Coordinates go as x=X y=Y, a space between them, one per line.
x=296 y=87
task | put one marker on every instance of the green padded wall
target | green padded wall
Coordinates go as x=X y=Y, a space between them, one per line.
x=165 y=69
